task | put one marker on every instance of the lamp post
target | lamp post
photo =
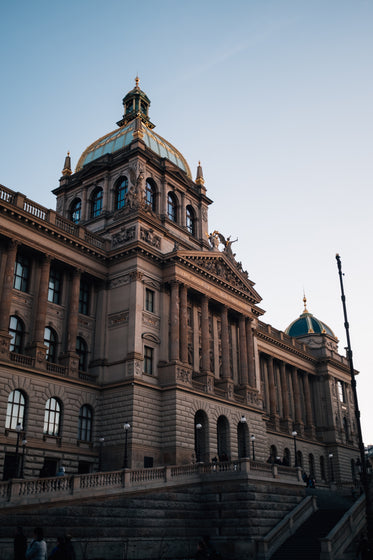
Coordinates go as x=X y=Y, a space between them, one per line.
x=365 y=476
x=126 y=427
x=18 y=430
x=253 y=445
x=243 y=422
x=198 y=444
x=101 y=440
x=331 y=467
x=294 y=434
x=24 y=443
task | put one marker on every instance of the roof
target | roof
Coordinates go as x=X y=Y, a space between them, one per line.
x=307 y=324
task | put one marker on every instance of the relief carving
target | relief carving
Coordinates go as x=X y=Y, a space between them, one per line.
x=123 y=236
x=148 y=236
x=118 y=319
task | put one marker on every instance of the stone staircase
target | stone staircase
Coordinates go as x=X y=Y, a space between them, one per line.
x=161 y=523
x=305 y=543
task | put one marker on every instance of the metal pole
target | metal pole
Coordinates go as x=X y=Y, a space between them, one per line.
x=253 y=443
x=364 y=474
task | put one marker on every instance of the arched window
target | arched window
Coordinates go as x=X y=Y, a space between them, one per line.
x=223 y=438
x=272 y=454
x=299 y=459
x=76 y=211
x=82 y=351
x=51 y=341
x=17 y=332
x=190 y=220
x=201 y=435
x=286 y=458
x=322 y=468
x=120 y=193
x=311 y=465
x=96 y=203
x=15 y=412
x=242 y=438
x=172 y=207
x=85 y=423
x=150 y=192
x=52 y=417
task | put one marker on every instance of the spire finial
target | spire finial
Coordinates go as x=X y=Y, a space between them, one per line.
x=67 y=167
x=137 y=81
x=199 y=178
x=305 y=303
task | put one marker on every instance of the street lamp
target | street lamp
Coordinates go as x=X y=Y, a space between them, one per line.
x=18 y=430
x=126 y=427
x=24 y=443
x=198 y=447
x=294 y=434
x=101 y=440
x=331 y=467
x=253 y=445
x=243 y=422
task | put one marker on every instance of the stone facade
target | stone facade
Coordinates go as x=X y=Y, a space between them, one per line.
x=121 y=307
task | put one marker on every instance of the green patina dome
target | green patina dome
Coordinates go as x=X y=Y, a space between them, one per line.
x=308 y=324
x=134 y=124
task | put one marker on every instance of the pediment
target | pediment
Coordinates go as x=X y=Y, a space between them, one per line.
x=221 y=270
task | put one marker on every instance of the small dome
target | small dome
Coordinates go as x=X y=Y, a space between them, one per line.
x=134 y=124
x=308 y=324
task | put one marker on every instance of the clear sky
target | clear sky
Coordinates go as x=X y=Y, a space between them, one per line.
x=275 y=99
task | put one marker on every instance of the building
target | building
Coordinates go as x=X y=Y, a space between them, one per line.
x=131 y=336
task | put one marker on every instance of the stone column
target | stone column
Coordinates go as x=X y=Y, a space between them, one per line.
x=297 y=403
x=174 y=322
x=184 y=324
x=307 y=398
x=225 y=343
x=38 y=347
x=205 y=342
x=71 y=358
x=106 y=199
x=250 y=353
x=272 y=392
x=6 y=297
x=243 y=351
x=284 y=392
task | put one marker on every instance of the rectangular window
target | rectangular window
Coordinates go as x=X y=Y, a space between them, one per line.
x=21 y=273
x=54 y=286
x=84 y=298
x=149 y=300
x=148 y=360
x=341 y=391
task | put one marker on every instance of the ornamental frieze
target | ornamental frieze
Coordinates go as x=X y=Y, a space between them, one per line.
x=221 y=270
x=149 y=236
x=123 y=236
x=183 y=375
x=150 y=320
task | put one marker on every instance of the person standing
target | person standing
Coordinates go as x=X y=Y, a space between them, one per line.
x=20 y=545
x=37 y=549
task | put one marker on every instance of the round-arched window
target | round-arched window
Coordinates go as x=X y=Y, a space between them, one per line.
x=190 y=220
x=96 y=203
x=120 y=193
x=172 y=207
x=76 y=211
x=150 y=192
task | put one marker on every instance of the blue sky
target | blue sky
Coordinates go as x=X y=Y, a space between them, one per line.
x=274 y=98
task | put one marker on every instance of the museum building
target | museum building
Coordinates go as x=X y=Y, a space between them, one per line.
x=130 y=336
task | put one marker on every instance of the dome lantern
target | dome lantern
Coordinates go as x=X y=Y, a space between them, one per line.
x=136 y=105
x=307 y=324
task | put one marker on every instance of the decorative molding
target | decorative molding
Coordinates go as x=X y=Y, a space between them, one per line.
x=150 y=320
x=118 y=319
x=151 y=337
x=120 y=281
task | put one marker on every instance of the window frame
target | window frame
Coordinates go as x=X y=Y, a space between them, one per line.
x=51 y=344
x=190 y=217
x=82 y=351
x=85 y=423
x=13 y=418
x=172 y=207
x=84 y=296
x=54 y=286
x=52 y=417
x=76 y=210
x=149 y=300
x=150 y=195
x=97 y=202
x=17 y=341
x=148 y=360
x=121 y=192
x=21 y=276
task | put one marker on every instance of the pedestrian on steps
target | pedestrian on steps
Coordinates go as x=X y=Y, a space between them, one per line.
x=37 y=549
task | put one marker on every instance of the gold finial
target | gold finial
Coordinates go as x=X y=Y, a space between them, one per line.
x=137 y=81
x=305 y=303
